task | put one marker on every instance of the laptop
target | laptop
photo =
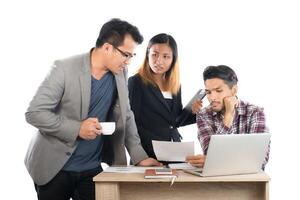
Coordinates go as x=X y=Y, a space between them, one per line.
x=234 y=154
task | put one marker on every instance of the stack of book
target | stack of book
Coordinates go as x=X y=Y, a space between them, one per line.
x=161 y=173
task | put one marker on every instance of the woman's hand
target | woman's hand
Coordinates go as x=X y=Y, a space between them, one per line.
x=197 y=105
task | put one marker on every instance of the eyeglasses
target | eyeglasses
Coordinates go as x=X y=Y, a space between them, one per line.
x=127 y=56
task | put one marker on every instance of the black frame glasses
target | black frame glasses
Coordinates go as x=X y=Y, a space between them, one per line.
x=125 y=55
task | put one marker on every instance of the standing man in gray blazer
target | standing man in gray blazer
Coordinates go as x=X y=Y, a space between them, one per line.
x=79 y=92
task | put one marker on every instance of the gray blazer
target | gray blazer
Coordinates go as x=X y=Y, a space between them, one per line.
x=57 y=109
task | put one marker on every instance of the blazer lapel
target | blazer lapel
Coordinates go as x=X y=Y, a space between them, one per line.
x=122 y=95
x=159 y=96
x=85 y=86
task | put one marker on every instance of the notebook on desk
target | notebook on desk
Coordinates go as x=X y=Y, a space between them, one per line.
x=234 y=154
x=160 y=173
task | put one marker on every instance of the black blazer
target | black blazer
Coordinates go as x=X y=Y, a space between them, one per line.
x=154 y=118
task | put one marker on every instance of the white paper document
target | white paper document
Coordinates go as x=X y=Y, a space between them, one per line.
x=172 y=151
x=128 y=169
x=181 y=166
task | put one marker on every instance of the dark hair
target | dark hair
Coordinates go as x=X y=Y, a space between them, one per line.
x=222 y=72
x=163 y=38
x=172 y=75
x=114 y=31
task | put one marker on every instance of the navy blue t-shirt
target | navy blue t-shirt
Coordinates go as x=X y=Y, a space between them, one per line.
x=87 y=154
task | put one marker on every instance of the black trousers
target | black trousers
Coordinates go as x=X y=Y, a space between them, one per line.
x=67 y=184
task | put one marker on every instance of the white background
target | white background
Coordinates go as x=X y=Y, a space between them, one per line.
x=258 y=39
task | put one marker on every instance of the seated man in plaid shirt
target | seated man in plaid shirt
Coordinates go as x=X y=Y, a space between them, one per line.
x=226 y=114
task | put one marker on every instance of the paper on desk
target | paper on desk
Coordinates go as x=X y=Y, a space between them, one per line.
x=181 y=166
x=129 y=169
x=172 y=151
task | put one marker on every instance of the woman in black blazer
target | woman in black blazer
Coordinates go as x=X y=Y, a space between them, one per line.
x=155 y=95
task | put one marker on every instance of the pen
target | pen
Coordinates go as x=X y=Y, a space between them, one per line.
x=173 y=180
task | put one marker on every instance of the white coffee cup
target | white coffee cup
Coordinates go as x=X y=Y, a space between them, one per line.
x=108 y=128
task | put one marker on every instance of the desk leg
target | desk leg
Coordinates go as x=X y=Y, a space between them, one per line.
x=107 y=191
x=267 y=191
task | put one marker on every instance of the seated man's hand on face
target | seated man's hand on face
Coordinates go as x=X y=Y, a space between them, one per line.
x=230 y=103
x=197 y=160
x=149 y=162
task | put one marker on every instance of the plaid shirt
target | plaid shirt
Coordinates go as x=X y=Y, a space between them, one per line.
x=248 y=119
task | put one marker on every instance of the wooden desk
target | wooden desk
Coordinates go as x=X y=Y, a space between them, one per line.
x=117 y=186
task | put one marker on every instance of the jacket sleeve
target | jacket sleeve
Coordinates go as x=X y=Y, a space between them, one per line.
x=132 y=139
x=135 y=97
x=42 y=109
x=184 y=117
